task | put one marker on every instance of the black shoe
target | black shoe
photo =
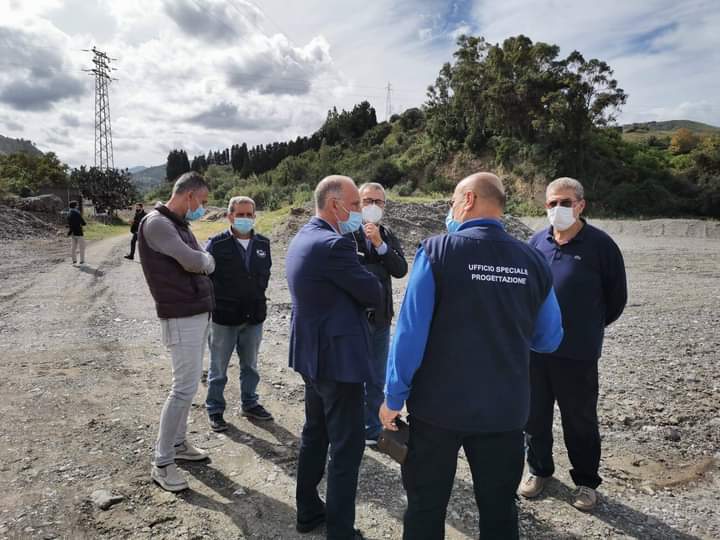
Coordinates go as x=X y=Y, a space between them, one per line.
x=309 y=526
x=217 y=422
x=129 y=257
x=258 y=412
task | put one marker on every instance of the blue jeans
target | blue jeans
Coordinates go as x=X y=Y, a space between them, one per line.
x=223 y=340
x=374 y=390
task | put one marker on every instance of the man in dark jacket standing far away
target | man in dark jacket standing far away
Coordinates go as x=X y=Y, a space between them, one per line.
x=176 y=269
x=242 y=271
x=76 y=223
x=137 y=218
x=381 y=253
x=589 y=277
x=477 y=301
x=330 y=348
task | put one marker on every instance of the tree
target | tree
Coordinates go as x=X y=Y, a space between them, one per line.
x=26 y=173
x=177 y=164
x=683 y=141
x=109 y=189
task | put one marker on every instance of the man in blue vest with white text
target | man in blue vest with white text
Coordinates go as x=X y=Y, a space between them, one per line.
x=477 y=301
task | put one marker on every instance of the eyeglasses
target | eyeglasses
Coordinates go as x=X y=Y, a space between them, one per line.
x=567 y=203
x=368 y=202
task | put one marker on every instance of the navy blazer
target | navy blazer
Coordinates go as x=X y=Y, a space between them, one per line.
x=330 y=290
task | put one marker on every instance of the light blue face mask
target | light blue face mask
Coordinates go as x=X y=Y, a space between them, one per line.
x=353 y=223
x=192 y=215
x=243 y=225
x=451 y=223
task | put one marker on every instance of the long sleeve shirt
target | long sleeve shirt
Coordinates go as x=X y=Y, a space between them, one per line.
x=413 y=327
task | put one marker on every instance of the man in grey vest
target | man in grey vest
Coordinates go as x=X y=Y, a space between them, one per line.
x=176 y=269
x=477 y=301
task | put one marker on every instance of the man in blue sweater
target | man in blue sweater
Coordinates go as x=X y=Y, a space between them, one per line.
x=589 y=277
x=477 y=301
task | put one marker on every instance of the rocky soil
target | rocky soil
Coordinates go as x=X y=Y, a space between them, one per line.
x=86 y=376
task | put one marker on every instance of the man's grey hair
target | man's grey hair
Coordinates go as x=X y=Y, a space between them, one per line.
x=240 y=199
x=190 y=181
x=567 y=183
x=372 y=185
x=330 y=187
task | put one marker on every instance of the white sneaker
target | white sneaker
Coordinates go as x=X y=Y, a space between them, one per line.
x=187 y=452
x=169 y=478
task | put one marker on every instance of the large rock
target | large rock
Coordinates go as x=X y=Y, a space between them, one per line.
x=47 y=204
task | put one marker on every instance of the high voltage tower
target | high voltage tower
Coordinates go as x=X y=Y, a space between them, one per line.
x=388 y=102
x=103 y=132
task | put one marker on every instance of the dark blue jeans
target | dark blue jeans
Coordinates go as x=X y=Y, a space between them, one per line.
x=334 y=418
x=374 y=390
x=496 y=464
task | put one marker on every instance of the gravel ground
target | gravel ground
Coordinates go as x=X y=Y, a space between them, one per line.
x=86 y=377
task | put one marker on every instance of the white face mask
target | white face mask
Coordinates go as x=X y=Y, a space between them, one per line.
x=372 y=213
x=561 y=217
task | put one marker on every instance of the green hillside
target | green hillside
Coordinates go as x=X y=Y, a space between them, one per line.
x=13 y=146
x=670 y=126
x=148 y=178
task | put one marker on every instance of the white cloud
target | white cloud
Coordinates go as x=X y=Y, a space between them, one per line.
x=203 y=74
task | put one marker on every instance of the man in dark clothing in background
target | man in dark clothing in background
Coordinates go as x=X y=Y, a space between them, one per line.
x=76 y=223
x=589 y=277
x=381 y=253
x=139 y=214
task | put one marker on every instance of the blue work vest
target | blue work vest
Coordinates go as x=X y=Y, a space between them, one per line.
x=489 y=290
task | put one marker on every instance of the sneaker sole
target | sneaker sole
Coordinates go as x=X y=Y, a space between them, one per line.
x=219 y=429
x=258 y=418
x=191 y=458
x=171 y=489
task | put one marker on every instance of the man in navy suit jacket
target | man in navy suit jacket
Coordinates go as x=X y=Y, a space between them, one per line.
x=330 y=348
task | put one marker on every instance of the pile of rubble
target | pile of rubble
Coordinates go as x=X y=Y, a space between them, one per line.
x=411 y=222
x=16 y=224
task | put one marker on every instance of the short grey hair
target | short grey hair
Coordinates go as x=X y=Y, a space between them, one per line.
x=190 y=181
x=330 y=187
x=240 y=199
x=564 y=183
x=372 y=185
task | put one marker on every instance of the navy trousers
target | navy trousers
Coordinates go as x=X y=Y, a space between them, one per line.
x=496 y=463
x=574 y=385
x=334 y=424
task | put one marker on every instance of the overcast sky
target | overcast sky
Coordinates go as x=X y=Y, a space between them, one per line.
x=201 y=74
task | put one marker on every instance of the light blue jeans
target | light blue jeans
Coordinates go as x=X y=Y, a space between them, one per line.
x=374 y=390
x=223 y=340
x=186 y=339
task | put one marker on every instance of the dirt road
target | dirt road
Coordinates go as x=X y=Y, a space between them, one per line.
x=86 y=376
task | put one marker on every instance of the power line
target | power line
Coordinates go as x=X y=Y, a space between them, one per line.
x=388 y=102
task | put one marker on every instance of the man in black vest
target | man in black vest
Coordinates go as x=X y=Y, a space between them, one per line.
x=476 y=302
x=176 y=269
x=137 y=218
x=242 y=273
x=381 y=253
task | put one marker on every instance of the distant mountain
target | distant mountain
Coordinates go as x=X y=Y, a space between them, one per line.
x=11 y=146
x=147 y=178
x=135 y=170
x=669 y=126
